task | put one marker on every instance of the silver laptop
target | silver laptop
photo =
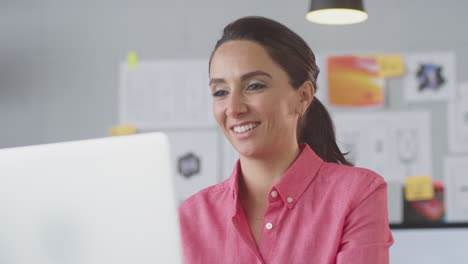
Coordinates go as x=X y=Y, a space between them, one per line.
x=99 y=201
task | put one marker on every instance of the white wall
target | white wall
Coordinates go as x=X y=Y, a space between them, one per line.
x=430 y=246
x=58 y=67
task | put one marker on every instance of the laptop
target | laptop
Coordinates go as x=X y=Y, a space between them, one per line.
x=98 y=201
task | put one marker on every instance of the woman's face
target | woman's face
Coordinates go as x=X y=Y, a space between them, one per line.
x=253 y=102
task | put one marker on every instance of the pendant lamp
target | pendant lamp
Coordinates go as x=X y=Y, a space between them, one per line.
x=336 y=12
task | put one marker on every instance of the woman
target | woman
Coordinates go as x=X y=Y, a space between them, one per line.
x=292 y=196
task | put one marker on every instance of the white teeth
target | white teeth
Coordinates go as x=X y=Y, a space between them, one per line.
x=240 y=129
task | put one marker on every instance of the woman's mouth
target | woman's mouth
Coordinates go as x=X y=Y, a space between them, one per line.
x=244 y=128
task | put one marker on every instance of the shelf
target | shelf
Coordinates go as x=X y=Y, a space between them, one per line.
x=428 y=225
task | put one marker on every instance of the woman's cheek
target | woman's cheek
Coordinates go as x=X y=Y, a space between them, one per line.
x=218 y=113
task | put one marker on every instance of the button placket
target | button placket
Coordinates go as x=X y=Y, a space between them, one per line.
x=270 y=228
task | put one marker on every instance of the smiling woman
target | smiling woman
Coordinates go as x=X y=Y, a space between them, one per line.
x=243 y=101
x=292 y=196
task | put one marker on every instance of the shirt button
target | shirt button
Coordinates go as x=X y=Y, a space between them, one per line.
x=269 y=226
x=274 y=194
x=290 y=199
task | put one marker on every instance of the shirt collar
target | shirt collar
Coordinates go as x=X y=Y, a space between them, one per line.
x=298 y=176
x=233 y=185
x=292 y=184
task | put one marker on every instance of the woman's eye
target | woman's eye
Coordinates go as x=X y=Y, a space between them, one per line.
x=219 y=93
x=256 y=86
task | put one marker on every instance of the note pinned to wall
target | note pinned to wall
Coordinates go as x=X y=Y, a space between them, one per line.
x=121 y=130
x=132 y=60
x=390 y=65
x=418 y=188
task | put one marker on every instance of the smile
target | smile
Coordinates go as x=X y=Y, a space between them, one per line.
x=241 y=129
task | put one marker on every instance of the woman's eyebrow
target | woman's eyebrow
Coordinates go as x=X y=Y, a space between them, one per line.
x=254 y=73
x=243 y=77
x=216 y=80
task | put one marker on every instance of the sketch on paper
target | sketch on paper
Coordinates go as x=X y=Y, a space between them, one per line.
x=189 y=165
x=378 y=151
x=195 y=159
x=430 y=77
x=456 y=184
x=169 y=94
x=407 y=148
x=349 y=145
x=393 y=144
x=457 y=116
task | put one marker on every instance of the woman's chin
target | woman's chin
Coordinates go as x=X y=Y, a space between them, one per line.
x=250 y=151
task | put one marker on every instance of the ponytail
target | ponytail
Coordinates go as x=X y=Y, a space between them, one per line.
x=316 y=129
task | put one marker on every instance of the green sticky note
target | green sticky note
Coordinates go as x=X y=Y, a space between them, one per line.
x=132 y=60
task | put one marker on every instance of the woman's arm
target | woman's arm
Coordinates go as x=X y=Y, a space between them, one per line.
x=366 y=235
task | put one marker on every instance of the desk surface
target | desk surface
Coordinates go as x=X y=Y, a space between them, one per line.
x=428 y=225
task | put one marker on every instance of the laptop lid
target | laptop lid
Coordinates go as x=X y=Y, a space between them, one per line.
x=108 y=200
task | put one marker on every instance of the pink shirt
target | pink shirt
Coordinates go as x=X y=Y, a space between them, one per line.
x=317 y=213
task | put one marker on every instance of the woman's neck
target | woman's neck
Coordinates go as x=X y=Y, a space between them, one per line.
x=260 y=174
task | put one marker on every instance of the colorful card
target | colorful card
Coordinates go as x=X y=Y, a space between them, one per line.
x=425 y=211
x=354 y=81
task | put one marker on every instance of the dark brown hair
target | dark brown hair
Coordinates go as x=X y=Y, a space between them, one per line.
x=295 y=57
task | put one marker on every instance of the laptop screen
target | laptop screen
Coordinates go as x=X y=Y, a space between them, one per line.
x=108 y=200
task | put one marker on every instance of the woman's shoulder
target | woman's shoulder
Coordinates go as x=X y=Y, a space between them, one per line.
x=349 y=174
x=348 y=183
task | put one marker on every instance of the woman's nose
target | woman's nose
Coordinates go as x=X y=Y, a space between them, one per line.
x=236 y=105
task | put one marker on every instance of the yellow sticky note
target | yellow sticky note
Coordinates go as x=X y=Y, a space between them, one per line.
x=419 y=188
x=132 y=60
x=390 y=65
x=122 y=130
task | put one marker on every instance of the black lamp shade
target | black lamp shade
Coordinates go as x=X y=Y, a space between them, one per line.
x=329 y=4
x=336 y=12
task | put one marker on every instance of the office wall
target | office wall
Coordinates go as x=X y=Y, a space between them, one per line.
x=59 y=59
x=58 y=67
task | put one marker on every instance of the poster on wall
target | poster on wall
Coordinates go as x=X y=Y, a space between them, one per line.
x=195 y=160
x=168 y=94
x=354 y=81
x=456 y=184
x=430 y=77
x=393 y=144
x=457 y=116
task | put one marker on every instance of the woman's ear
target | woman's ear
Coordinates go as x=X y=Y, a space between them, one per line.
x=306 y=95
